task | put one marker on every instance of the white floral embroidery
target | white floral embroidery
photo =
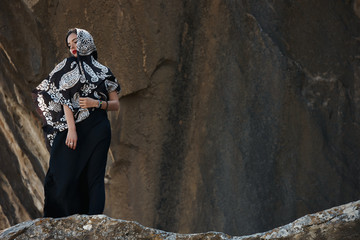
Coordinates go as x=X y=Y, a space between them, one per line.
x=99 y=65
x=61 y=126
x=73 y=64
x=43 y=86
x=51 y=137
x=54 y=93
x=67 y=102
x=82 y=114
x=58 y=67
x=69 y=79
x=110 y=85
x=83 y=79
x=75 y=100
x=94 y=77
x=96 y=95
x=53 y=106
x=102 y=75
x=85 y=43
x=44 y=109
x=87 y=89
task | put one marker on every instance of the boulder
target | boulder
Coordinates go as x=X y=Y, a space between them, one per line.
x=337 y=223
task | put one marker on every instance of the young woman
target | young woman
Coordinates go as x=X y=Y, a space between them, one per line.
x=73 y=102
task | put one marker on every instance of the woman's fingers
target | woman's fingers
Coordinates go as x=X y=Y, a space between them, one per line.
x=84 y=102
x=81 y=101
x=71 y=140
x=71 y=144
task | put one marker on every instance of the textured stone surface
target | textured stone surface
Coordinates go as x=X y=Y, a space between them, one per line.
x=338 y=223
x=233 y=113
x=23 y=156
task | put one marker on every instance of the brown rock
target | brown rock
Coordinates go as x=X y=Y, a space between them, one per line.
x=23 y=156
x=233 y=113
x=340 y=223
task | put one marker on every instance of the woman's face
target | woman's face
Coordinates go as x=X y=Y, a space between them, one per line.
x=72 y=40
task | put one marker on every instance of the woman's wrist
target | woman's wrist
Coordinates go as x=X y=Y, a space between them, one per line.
x=96 y=103
x=100 y=103
x=72 y=128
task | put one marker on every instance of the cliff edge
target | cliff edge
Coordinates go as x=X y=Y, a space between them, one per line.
x=342 y=222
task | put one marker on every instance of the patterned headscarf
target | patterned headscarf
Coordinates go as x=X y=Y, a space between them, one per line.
x=85 y=42
x=72 y=78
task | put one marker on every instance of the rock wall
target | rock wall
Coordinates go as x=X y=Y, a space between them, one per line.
x=23 y=156
x=233 y=113
x=338 y=223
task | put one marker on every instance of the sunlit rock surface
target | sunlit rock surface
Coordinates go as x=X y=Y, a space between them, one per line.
x=236 y=116
x=338 y=223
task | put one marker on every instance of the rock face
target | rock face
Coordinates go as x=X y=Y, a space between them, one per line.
x=340 y=223
x=23 y=156
x=236 y=116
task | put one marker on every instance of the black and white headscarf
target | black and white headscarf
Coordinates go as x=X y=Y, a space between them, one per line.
x=72 y=78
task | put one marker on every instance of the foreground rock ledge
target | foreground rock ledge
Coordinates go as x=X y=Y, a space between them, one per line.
x=341 y=222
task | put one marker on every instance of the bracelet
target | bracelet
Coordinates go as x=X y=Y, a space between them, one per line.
x=100 y=104
x=107 y=105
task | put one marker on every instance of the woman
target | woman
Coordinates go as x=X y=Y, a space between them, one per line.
x=73 y=102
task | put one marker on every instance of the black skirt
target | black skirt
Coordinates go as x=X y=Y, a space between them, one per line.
x=74 y=183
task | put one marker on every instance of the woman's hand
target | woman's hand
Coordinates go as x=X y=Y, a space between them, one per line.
x=71 y=139
x=86 y=102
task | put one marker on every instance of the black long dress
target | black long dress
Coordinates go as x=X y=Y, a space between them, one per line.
x=75 y=179
x=74 y=183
